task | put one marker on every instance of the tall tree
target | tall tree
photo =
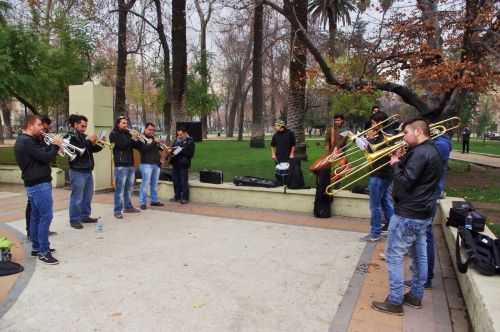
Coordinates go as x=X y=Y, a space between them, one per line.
x=121 y=60
x=297 y=85
x=331 y=12
x=179 y=63
x=203 y=53
x=467 y=65
x=257 y=135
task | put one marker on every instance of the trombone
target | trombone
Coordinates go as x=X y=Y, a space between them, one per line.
x=394 y=143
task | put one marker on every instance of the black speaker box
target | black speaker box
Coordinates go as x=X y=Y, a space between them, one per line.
x=193 y=128
x=211 y=176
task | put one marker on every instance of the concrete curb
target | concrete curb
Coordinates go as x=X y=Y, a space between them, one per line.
x=23 y=279
x=481 y=293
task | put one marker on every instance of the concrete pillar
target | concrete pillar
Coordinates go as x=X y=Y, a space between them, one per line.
x=96 y=103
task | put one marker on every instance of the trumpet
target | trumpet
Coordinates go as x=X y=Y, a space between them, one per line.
x=68 y=149
x=137 y=136
x=103 y=143
x=352 y=172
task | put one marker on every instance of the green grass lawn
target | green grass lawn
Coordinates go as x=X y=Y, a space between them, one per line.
x=488 y=146
x=237 y=158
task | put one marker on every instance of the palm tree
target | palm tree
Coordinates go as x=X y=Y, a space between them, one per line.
x=4 y=8
x=331 y=12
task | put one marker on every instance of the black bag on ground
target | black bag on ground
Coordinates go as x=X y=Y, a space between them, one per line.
x=8 y=268
x=459 y=213
x=253 y=181
x=322 y=201
x=295 y=176
x=481 y=252
x=211 y=176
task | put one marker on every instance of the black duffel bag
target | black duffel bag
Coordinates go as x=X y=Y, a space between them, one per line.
x=295 y=176
x=459 y=213
x=481 y=252
x=253 y=181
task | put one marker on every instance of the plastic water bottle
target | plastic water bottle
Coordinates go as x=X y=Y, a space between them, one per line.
x=468 y=221
x=99 y=227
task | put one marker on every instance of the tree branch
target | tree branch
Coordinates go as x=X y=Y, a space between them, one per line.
x=136 y=14
x=23 y=101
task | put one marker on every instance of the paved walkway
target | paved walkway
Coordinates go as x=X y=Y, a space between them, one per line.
x=476 y=158
x=210 y=268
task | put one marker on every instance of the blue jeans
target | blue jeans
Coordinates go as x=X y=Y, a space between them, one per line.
x=82 y=190
x=124 y=184
x=380 y=202
x=406 y=235
x=150 y=175
x=180 y=180
x=41 y=214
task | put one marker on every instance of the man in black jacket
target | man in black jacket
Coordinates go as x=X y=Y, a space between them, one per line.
x=33 y=157
x=150 y=167
x=80 y=172
x=182 y=153
x=416 y=176
x=123 y=158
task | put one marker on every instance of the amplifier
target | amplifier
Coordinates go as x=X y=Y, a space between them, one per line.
x=211 y=176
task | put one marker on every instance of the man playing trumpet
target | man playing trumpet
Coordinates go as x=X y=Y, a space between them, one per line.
x=123 y=143
x=150 y=167
x=34 y=157
x=80 y=172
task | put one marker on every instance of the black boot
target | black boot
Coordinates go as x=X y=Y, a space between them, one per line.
x=388 y=308
x=411 y=301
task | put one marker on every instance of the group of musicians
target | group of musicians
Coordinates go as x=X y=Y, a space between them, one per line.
x=35 y=149
x=402 y=189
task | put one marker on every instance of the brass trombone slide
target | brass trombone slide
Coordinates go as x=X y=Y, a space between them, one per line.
x=437 y=129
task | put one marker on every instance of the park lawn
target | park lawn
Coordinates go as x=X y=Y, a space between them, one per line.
x=237 y=158
x=480 y=146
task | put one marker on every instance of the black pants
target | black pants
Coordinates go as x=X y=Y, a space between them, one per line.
x=28 y=215
x=180 y=180
x=465 y=146
x=322 y=201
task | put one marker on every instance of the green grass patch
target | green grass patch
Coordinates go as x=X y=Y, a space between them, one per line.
x=495 y=228
x=479 y=146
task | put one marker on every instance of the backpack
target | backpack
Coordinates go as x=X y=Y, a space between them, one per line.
x=481 y=252
x=460 y=211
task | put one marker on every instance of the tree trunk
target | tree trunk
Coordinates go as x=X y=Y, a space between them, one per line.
x=241 y=115
x=234 y=106
x=6 y=113
x=179 y=63
x=297 y=85
x=257 y=136
x=167 y=86
x=121 y=61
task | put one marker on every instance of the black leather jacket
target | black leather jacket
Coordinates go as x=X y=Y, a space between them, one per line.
x=150 y=153
x=84 y=162
x=416 y=178
x=123 y=155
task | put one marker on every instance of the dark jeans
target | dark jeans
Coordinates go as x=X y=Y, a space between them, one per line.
x=180 y=180
x=465 y=146
x=40 y=197
x=82 y=190
x=28 y=214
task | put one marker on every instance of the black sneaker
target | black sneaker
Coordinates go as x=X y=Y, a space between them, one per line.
x=48 y=259
x=183 y=201
x=388 y=308
x=143 y=207
x=118 y=216
x=35 y=253
x=89 y=220
x=76 y=225
x=132 y=210
x=173 y=200
x=157 y=204
x=412 y=301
